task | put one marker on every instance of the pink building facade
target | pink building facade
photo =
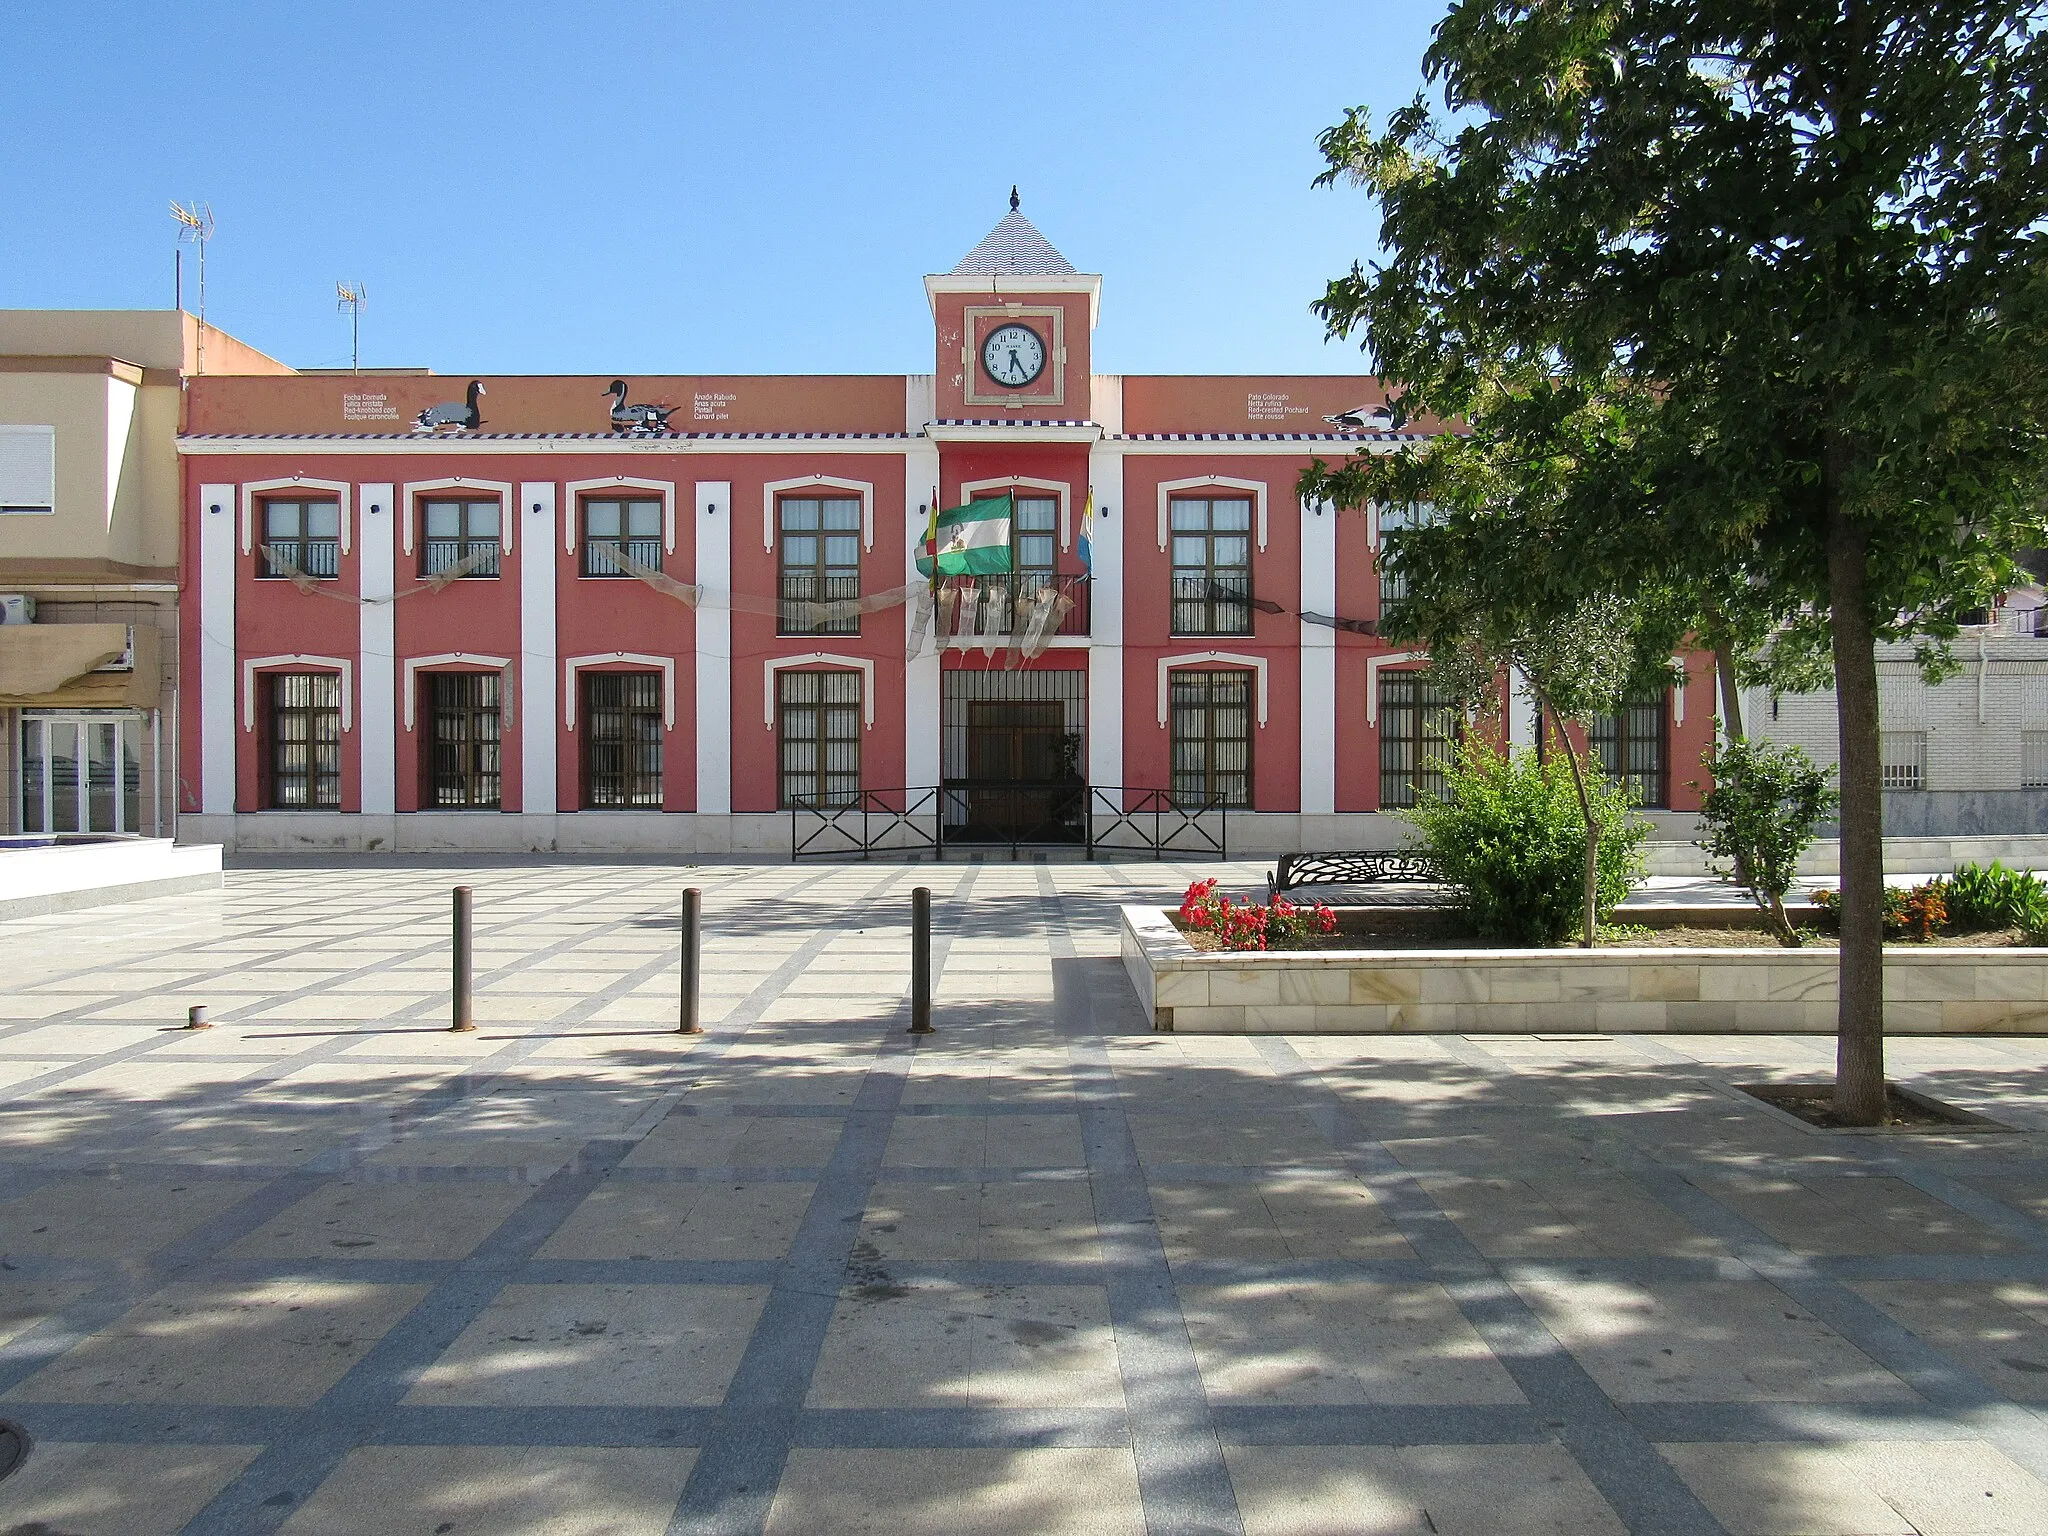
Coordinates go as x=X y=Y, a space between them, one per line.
x=401 y=637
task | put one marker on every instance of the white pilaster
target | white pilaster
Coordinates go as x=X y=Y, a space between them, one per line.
x=1521 y=712
x=1318 y=661
x=1106 y=617
x=921 y=674
x=217 y=650
x=538 y=715
x=377 y=719
x=714 y=648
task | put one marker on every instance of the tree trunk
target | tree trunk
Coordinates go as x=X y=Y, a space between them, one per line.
x=1731 y=693
x=1571 y=757
x=1859 y=1044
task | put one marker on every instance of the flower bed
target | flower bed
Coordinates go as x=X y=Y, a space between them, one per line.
x=1931 y=989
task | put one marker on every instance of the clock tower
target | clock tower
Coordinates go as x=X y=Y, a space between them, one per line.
x=1014 y=324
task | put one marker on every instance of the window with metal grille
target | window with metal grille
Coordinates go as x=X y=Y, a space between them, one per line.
x=1034 y=534
x=457 y=531
x=819 y=738
x=819 y=556
x=462 y=740
x=1903 y=755
x=1630 y=745
x=633 y=528
x=1212 y=738
x=622 y=732
x=1212 y=565
x=2034 y=759
x=300 y=536
x=1419 y=725
x=305 y=741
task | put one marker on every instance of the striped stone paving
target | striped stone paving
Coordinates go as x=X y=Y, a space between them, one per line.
x=329 y=1268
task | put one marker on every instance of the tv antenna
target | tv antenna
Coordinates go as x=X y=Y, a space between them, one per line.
x=352 y=297
x=196 y=219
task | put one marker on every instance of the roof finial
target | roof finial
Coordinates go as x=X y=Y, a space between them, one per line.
x=1013 y=199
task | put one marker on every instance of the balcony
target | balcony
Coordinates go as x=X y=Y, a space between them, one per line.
x=1002 y=604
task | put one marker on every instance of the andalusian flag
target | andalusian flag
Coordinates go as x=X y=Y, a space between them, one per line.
x=973 y=540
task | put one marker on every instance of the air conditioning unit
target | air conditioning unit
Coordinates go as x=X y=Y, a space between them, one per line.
x=17 y=608
x=125 y=662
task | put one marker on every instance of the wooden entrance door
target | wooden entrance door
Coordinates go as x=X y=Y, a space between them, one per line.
x=1014 y=763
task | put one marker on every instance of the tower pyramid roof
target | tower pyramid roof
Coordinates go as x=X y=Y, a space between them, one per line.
x=1014 y=248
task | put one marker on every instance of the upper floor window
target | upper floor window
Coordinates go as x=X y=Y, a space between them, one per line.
x=631 y=527
x=819 y=557
x=1393 y=583
x=300 y=537
x=1035 y=533
x=1212 y=565
x=459 y=531
x=304 y=761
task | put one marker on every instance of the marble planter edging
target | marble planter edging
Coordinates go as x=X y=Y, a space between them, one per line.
x=1605 y=991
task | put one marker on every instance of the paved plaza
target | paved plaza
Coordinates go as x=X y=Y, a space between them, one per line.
x=328 y=1268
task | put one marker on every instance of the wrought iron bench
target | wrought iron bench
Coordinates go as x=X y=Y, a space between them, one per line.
x=1355 y=868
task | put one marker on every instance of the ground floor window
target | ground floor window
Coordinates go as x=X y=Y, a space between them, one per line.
x=1632 y=746
x=818 y=738
x=622 y=731
x=1211 y=712
x=303 y=748
x=81 y=772
x=462 y=740
x=1903 y=757
x=1419 y=724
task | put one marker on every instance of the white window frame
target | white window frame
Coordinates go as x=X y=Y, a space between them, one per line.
x=1374 y=666
x=461 y=661
x=1256 y=488
x=816 y=659
x=1191 y=661
x=666 y=665
x=774 y=489
x=252 y=489
x=576 y=490
x=508 y=504
x=1061 y=489
x=298 y=662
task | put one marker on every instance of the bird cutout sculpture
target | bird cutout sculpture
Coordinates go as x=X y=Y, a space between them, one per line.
x=1364 y=418
x=451 y=416
x=636 y=420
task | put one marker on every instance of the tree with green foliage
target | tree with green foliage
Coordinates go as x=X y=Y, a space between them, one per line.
x=1766 y=804
x=1770 y=271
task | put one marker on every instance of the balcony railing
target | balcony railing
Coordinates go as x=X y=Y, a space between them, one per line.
x=441 y=554
x=800 y=587
x=1212 y=605
x=313 y=557
x=990 y=605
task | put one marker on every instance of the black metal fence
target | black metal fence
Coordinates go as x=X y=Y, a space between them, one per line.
x=981 y=816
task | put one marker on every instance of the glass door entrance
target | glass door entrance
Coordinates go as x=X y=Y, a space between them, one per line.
x=81 y=773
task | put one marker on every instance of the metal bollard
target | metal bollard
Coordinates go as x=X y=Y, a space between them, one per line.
x=465 y=1020
x=921 y=961
x=693 y=930
x=195 y=1017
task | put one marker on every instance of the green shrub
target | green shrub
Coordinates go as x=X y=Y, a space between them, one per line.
x=1918 y=911
x=1766 y=803
x=1510 y=844
x=1984 y=896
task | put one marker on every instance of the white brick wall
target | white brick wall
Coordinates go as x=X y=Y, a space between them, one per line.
x=1974 y=725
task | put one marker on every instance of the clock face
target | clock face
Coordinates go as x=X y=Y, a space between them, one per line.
x=1013 y=355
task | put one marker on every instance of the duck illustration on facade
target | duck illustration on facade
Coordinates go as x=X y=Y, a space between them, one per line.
x=1375 y=418
x=637 y=420
x=451 y=416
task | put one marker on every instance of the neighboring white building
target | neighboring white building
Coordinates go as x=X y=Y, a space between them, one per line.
x=1964 y=757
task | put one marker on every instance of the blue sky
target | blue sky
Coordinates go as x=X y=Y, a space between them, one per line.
x=667 y=187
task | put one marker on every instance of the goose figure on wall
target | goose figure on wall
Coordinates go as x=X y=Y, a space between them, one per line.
x=1361 y=418
x=637 y=420
x=451 y=416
